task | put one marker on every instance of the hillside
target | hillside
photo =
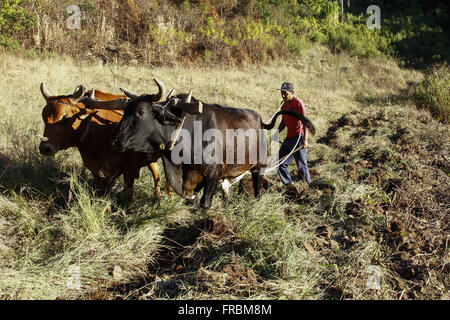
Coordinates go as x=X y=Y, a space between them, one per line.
x=375 y=224
x=227 y=33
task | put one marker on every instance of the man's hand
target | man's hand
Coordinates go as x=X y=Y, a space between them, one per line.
x=305 y=144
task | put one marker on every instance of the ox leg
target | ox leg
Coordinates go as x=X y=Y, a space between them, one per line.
x=102 y=185
x=227 y=189
x=208 y=193
x=128 y=187
x=153 y=167
x=169 y=188
x=192 y=180
x=256 y=177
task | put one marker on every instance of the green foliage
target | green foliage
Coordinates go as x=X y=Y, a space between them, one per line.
x=354 y=37
x=433 y=92
x=417 y=30
x=295 y=43
x=240 y=31
x=89 y=7
x=207 y=55
x=166 y=34
x=13 y=18
x=299 y=23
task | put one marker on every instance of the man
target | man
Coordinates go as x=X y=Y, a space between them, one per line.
x=294 y=129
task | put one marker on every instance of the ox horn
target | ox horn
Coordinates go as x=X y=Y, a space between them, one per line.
x=47 y=95
x=161 y=92
x=189 y=97
x=92 y=95
x=78 y=93
x=117 y=104
x=170 y=94
x=129 y=94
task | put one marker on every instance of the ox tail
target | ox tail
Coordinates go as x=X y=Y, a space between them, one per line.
x=306 y=122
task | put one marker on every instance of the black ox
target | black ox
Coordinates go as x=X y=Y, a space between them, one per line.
x=153 y=127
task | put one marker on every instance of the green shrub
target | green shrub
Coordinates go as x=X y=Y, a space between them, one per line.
x=295 y=43
x=417 y=30
x=433 y=92
x=354 y=37
x=13 y=18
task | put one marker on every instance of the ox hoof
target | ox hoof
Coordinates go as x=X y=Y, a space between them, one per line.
x=204 y=207
x=204 y=210
x=124 y=198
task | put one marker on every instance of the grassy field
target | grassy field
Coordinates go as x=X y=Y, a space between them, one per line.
x=378 y=210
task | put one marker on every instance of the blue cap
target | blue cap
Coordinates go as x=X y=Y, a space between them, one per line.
x=287 y=86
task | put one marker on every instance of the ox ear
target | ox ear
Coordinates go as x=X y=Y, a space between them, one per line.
x=47 y=95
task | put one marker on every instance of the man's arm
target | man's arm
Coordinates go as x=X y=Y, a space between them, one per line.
x=305 y=141
x=302 y=110
x=281 y=126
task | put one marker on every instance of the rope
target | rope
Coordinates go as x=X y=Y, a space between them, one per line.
x=280 y=161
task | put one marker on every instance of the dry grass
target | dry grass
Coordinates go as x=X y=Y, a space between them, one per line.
x=140 y=32
x=380 y=197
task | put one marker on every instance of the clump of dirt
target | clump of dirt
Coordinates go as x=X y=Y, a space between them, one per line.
x=230 y=278
x=246 y=186
x=400 y=136
x=325 y=185
x=331 y=136
x=351 y=171
x=215 y=228
x=393 y=184
x=204 y=233
x=324 y=231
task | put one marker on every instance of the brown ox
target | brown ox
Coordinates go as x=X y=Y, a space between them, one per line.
x=68 y=123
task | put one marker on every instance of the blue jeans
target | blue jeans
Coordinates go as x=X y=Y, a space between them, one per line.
x=300 y=159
